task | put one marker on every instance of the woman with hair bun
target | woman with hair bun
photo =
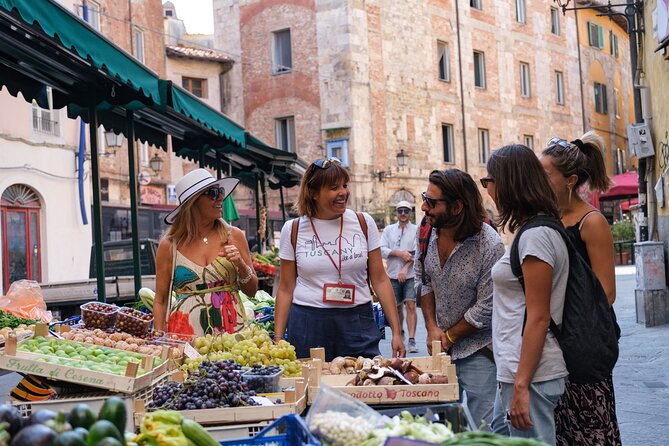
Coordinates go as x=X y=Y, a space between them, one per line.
x=586 y=413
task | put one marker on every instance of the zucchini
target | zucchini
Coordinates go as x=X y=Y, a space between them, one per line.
x=197 y=434
x=81 y=416
x=103 y=429
x=114 y=410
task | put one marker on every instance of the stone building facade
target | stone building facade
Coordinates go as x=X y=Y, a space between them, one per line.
x=446 y=82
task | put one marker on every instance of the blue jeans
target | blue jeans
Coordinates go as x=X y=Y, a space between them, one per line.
x=403 y=291
x=543 y=399
x=477 y=379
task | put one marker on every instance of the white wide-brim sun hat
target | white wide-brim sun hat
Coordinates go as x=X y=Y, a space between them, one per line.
x=194 y=182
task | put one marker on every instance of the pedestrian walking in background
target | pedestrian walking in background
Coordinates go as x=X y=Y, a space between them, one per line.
x=586 y=413
x=456 y=287
x=397 y=247
x=530 y=368
x=326 y=252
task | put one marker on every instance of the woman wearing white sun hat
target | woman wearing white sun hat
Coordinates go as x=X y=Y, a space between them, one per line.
x=204 y=260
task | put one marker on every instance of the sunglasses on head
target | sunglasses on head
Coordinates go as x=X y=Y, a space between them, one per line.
x=404 y=211
x=485 y=181
x=431 y=202
x=324 y=163
x=559 y=141
x=214 y=193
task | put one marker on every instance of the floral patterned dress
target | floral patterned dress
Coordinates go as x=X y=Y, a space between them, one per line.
x=207 y=298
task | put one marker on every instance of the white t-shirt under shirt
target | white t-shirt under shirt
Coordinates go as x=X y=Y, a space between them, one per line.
x=508 y=309
x=314 y=267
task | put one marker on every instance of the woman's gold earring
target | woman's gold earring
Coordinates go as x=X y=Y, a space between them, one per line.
x=570 y=189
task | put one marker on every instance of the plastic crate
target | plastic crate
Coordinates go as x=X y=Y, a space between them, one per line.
x=455 y=414
x=289 y=430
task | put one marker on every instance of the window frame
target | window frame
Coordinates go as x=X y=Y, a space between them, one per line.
x=481 y=69
x=290 y=133
x=613 y=44
x=601 y=100
x=559 y=87
x=555 y=21
x=525 y=80
x=279 y=66
x=528 y=139
x=187 y=84
x=616 y=105
x=138 y=44
x=484 y=145
x=93 y=10
x=521 y=11
x=45 y=120
x=443 y=61
x=342 y=143
x=476 y=4
x=596 y=37
x=447 y=144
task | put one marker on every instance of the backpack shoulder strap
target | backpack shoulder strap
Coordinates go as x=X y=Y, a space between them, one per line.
x=293 y=233
x=363 y=223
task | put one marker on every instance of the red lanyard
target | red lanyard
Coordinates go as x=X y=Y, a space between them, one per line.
x=341 y=229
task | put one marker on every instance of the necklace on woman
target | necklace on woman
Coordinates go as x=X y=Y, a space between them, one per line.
x=206 y=238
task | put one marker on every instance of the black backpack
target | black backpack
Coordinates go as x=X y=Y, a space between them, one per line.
x=589 y=333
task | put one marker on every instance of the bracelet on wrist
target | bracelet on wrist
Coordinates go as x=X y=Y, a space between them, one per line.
x=450 y=339
x=249 y=275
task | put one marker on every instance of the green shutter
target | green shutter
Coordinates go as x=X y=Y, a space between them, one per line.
x=590 y=34
x=597 y=109
x=605 y=109
x=600 y=37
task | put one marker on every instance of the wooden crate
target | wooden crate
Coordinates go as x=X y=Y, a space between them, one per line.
x=34 y=364
x=294 y=402
x=438 y=363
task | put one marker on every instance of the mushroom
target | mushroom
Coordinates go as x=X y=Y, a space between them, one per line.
x=368 y=382
x=367 y=363
x=377 y=373
x=425 y=378
x=411 y=376
x=396 y=363
x=386 y=381
x=405 y=367
x=337 y=366
x=439 y=379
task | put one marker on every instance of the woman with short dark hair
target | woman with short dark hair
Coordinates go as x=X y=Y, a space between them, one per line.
x=531 y=371
x=586 y=413
x=329 y=257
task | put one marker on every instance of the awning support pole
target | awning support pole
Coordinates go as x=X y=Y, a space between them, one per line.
x=257 y=193
x=134 y=209
x=283 y=205
x=97 y=202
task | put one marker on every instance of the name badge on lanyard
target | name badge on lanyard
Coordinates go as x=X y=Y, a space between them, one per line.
x=336 y=293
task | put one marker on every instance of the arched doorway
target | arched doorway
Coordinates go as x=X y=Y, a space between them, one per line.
x=19 y=216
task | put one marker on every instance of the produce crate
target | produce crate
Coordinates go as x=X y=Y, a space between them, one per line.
x=289 y=430
x=236 y=431
x=94 y=400
x=293 y=402
x=393 y=394
x=455 y=415
x=32 y=363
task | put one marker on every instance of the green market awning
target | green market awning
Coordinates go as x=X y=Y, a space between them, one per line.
x=230 y=213
x=74 y=34
x=188 y=105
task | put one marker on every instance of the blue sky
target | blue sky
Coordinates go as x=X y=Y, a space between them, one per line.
x=196 y=14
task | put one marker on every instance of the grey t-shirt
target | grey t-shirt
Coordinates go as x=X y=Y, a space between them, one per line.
x=509 y=306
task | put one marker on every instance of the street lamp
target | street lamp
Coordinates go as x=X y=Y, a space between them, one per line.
x=402 y=159
x=112 y=139
x=156 y=163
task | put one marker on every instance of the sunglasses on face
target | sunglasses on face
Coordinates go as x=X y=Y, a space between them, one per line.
x=431 y=202
x=485 y=181
x=404 y=211
x=214 y=193
x=559 y=141
x=326 y=162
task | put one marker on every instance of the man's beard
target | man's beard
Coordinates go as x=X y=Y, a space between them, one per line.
x=441 y=220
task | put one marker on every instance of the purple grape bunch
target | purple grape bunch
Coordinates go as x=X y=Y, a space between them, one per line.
x=216 y=384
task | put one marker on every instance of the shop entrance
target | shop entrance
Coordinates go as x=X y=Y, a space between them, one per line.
x=20 y=217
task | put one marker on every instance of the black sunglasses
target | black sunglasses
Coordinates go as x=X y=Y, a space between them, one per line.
x=485 y=181
x=431 y=202
x=214 y=193
x=559 y=141
x=324 y=163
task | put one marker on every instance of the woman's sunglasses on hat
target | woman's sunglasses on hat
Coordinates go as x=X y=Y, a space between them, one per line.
x=214 y=193
x=559 y=141
x=324 y=163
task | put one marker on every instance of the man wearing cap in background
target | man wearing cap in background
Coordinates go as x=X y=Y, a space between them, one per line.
x=397 y=247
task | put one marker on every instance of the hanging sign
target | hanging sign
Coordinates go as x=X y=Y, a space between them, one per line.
x=144 y=178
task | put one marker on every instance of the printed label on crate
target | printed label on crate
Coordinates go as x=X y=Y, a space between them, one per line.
x=393 y=394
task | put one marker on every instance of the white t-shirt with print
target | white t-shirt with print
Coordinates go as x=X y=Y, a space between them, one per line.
x=314 y=267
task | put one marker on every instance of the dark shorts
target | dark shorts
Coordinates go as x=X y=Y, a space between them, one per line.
x=341 y=331
x=403 y=291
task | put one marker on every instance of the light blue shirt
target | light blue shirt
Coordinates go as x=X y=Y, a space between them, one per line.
x=395 y=238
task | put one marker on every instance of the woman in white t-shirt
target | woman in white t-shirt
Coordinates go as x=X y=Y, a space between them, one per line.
x=531 y=371
x=324 y=299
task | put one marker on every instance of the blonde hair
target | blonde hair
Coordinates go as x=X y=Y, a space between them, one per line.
x=185 y=227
